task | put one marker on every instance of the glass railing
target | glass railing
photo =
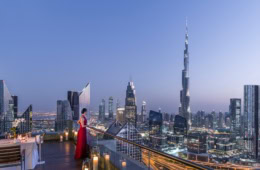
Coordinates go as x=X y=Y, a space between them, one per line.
x=125 y=148
x=129 y=154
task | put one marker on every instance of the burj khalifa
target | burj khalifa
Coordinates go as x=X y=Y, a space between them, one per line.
x=184 y=109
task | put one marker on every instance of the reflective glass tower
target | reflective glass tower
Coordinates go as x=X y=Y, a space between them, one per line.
x=143 y=112
x=184 y=109
x=79 y=100
x=64 y=113
x=235 y=113
x=26 y=126
x=102 y=109
x=110 y=108
x=6 y=108
x=73 y=98
x=251 y=122
x=130 y=104
x=84 y=98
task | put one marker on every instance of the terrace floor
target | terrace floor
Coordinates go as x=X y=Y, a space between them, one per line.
x=59 y=156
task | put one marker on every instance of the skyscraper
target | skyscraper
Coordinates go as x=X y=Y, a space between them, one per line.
x=6 y=108
x=120 y=115
x=180 y=125
x=130 y=133
x=235 y=113
x=102 y=110
x=220 y=120
x=15 y=99
x=117 y=104
x=252 y=123
x=155 y=123
x=64 y=113
x=79 y=100
x=214 y=118
x=84 y=98
x=143 y=112
x=129 y=130
x=130 y=104
x=184 y=109
x=110 y=108
x=73 y=98
x=26 y=126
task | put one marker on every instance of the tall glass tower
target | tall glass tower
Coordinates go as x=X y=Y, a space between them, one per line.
x=6 y=108
x=110 y=108
x=252 y=122
x=130 y=104
x=184 y=109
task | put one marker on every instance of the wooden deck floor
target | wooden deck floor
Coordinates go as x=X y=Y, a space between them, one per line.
x=59 y=156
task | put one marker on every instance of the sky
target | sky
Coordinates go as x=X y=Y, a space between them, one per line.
x=48 y=47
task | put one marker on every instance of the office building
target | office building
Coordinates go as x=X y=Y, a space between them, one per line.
x=6 y=108
x=130 y=133
x=155 y=123
x=197 y=142
x=252 y=123
x=26 y=126
x=79 y=100
x=214 y=120
x=235 y=114
x=73 y=98
x=130 y=104
x=157 y=139
x=180 y=125
x=120 y=115
x=102 y=110
x=143 y=112
x=64 y=114
x=110 y=108
x=15 y=101
x=84 y=99
x=221 y=120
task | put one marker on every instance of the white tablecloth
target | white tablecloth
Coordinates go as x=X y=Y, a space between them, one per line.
x=31 y=152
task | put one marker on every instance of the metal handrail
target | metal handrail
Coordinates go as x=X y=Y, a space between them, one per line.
x=188 y=163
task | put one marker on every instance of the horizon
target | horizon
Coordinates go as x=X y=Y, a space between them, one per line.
x=53 y=51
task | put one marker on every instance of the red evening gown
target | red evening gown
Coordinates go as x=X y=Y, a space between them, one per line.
x=81 y=148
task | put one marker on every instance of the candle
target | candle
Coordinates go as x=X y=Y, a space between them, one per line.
x=61 y=138
x=107 y=157
x=95 y=163
x=75 y=134
x=124 y=164
x=67 y=135
x=86 y=169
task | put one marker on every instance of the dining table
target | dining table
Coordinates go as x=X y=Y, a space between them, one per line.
x=31 y=151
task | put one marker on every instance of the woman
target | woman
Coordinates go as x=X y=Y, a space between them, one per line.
x=81 y=149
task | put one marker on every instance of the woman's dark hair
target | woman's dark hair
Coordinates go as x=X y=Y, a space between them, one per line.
x=83 y=110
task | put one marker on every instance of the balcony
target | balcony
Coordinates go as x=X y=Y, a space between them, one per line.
x=112 y=151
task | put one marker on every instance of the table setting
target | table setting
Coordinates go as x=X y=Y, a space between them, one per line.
x=29 y=145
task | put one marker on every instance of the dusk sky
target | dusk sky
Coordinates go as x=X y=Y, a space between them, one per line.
x=48 y=47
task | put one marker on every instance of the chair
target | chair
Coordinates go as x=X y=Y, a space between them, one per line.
x=11 y=156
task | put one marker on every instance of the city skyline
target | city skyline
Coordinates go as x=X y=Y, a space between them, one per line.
x=38 y=59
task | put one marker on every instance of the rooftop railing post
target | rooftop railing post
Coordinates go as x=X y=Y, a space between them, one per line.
x=149 y=164
x=40 y=141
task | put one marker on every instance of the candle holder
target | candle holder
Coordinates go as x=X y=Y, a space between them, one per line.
x=61 y=138
x=123 y=164
x=86 y=164
x=106 y=156
x=95 y=155
x=67 y=135
x=75 y=135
